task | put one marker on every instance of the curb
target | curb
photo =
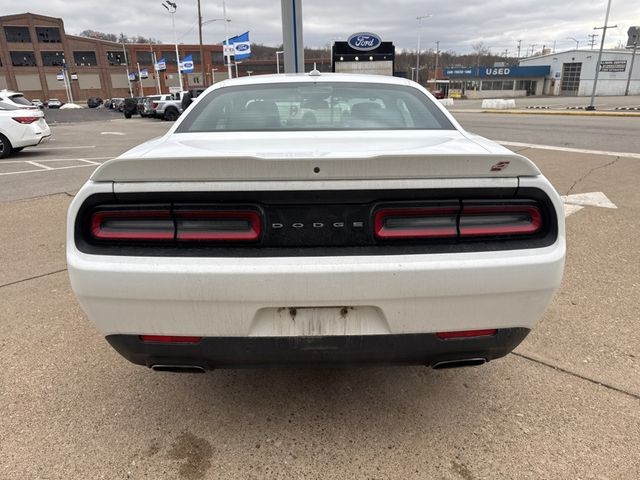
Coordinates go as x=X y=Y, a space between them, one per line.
x=583 y=113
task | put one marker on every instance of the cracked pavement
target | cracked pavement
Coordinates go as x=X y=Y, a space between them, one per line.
x=566 y=404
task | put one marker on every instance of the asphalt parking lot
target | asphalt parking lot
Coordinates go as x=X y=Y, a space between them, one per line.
x=566 y=404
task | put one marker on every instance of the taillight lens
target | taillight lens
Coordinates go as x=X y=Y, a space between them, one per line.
x=182 y=225
x=466 y=334
x=217 y=225
x=496 y=220
x=170 y=339
x=26 y=120
x=136 y=225
x=416 y=222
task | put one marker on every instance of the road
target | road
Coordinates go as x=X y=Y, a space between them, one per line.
x=566 y=404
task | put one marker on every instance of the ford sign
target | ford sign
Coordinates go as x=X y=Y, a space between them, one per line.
x=364 y=41
x=242 y=47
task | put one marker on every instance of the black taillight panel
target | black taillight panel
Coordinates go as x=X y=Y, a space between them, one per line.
x=315 y=223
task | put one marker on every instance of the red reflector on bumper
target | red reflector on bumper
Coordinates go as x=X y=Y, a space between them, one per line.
x=169 y=339
x=466 y=334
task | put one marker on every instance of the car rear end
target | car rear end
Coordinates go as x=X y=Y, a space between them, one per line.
x=23 y=128
x=444 y=252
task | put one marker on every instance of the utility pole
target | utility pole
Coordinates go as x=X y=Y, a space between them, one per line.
x=292 y=37
x=419 y=19
x=519 y=45
x=437 y=56
x=126 y=63
x=592 y=39
x=575 y=40
x=533 y=46
x=204 y=81
x=604 y=33
x=633 y=33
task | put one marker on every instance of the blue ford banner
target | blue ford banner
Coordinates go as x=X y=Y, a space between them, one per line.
x=241 y=46
x=144 y=73
x=132 y=77
x=186 y=64
x=161 y=65
x=364 y=41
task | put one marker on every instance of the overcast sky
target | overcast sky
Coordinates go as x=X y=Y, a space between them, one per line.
x=456 y=24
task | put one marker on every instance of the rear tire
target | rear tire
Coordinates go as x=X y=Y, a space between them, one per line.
x=127 y=115
x=17 y=149
x=5 y=146
x=171 y=115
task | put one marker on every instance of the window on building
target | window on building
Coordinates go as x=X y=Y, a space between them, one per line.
x=195 y=57
x=23 y=59
x=17 y=34
x=85 y=59
x=116 y=58
x=48 y=34
x=144 y=58
x=507 y=85
x=497 y=85
x=217 y=58
x=169 y=57
x=52 y=59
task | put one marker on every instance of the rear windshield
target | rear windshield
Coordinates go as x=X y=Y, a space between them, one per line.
x=20 y=100
x=318 y=106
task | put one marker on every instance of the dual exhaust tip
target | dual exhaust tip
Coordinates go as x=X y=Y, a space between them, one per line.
x=457 y=363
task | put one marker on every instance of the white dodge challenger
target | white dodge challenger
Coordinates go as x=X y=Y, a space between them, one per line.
x=315 y=218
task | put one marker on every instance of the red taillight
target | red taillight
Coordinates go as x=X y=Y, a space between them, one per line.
x=217 y=225
x=186 y=225
x=490 y=220
x=138 y=225
x=26 y=120
x=169 y=339
x=153 y=105
x=416 y=222
x=466 y=334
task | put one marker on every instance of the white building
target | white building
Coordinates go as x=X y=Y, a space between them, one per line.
x=572 y=72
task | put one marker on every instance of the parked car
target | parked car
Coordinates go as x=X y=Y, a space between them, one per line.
x=37 y=102
x=107 y=103
x=130 y=107
x=20 y=127
x=439 y=94
x=171 y=108
x=16 y=99
x=54 y=103
x=151 y=103
x=93 y=102
x=116 y=103
x=255 y=232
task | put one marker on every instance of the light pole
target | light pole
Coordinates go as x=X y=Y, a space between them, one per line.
x=575 y=40
x=279 y=52
x=419 y=19
x=226 y=37
x=171 y=8
x=413 y=70
x=437 y=55
x=604 y=33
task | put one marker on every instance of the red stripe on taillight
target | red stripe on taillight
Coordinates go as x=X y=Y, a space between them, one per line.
x=218 y=225
x=169 y=339
x=466 y=334
x=26 y=120
x=490 y=220
x=416 y=222
x=138 y=225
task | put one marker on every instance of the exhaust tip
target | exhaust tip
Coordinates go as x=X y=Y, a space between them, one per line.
x=463 y=362
x=178 y=368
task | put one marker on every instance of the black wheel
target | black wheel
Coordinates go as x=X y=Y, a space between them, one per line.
x=5 y=146
x=127 y=115
x=171 y=114
x=16 y=150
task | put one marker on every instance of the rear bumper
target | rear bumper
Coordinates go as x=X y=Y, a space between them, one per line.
x=411 y=349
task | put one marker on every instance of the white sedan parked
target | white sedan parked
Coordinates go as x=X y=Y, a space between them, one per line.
x=319 y=218
x=20 y=128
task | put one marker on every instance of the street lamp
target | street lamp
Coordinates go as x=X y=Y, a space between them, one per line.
x=279 y=52
x=575 y=40
x=413 y=70
x=171 y=8
x=419 y=19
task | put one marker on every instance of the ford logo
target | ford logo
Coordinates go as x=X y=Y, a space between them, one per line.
x=242 y=47
x=364 y=41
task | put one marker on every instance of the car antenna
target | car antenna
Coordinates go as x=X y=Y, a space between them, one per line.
x=315 y=72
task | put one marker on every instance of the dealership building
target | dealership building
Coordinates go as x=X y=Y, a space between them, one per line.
x=35 y=50
x=499 y=81
x=573 y=72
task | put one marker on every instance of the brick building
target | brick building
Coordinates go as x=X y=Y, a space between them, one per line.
x=33 y=47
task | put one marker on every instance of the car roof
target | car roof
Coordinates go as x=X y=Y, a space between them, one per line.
x=315 y=78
